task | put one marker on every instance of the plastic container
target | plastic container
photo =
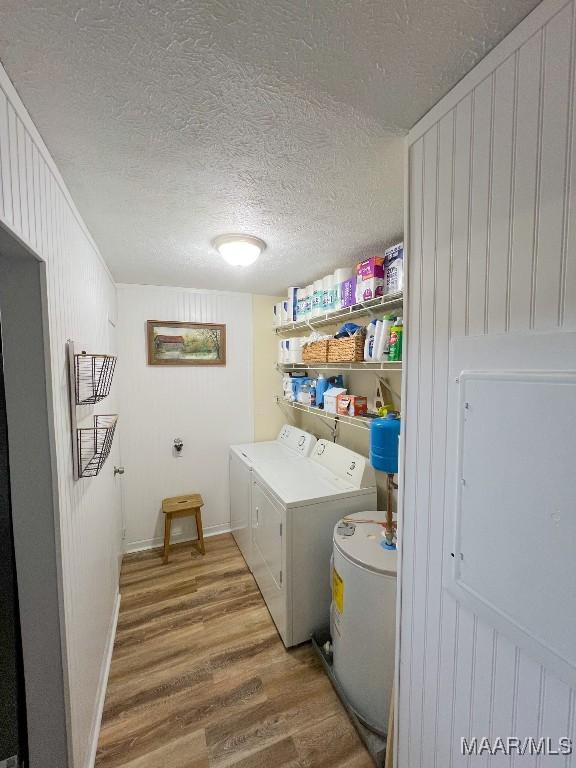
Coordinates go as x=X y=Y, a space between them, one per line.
x=384 y=438
x=369 y=341
x=396 y=334
x=322 y=384
x=382 y=340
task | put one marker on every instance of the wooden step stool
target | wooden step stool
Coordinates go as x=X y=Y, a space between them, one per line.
x=182 y=506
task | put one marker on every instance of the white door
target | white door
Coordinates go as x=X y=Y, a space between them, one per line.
x=115 y=459
x=268 y=555
x=240 y=480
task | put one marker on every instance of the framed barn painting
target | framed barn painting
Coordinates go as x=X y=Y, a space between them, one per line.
x=175 y=343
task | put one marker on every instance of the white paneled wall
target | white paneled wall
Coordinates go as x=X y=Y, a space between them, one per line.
x=36 y=206
x=492 y=249
x=209 y=407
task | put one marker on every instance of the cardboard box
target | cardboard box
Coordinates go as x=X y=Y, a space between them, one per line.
x=330 y=398
x=394 y=268
x=370 y=278
x=351 y=405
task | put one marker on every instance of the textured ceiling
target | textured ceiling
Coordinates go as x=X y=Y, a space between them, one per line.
x=175 y=121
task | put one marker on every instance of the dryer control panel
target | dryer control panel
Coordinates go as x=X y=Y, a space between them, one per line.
x=344 y=463
x=296 y=439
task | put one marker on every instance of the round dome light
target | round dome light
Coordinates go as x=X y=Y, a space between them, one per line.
x=239 y=250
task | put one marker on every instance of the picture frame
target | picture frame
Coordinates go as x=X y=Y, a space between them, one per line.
x=174 y=342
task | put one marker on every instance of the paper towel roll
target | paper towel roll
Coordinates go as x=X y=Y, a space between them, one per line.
x=317 y=298
x=292 y=302
x=342 y=274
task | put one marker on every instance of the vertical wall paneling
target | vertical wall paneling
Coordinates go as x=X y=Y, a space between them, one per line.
x=440 y=330
x=36 y=206
x=481 y=161
x=491 y=226
x=501 y=170
x=411 y=388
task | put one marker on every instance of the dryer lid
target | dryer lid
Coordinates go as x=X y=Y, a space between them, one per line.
x=349 y=466
x=291 y=442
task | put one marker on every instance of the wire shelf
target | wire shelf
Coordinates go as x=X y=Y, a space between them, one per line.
x=363 y=422
x=377 y=367
x=92 y=377
x=94 y=444
x=367 y=308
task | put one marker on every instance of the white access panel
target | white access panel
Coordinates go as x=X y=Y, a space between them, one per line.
x=515 y=522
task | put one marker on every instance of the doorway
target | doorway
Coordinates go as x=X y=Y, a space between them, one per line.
x=30 y=466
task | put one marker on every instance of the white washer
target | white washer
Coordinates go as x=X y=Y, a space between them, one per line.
x=363 y=617
x=291 y=444
x=295 y=506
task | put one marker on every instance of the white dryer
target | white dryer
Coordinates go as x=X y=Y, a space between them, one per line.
x=295 y=506
x=291 y=444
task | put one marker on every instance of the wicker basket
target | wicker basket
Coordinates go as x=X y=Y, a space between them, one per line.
x=315 y=352
x=347 y=350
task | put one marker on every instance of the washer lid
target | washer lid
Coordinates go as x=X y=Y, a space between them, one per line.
x=364 y=545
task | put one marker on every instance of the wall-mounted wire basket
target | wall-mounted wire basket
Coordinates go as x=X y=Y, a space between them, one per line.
x=94 y=443
x=92 y=377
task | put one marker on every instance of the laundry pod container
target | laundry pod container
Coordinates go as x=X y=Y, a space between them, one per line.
x=363 y=617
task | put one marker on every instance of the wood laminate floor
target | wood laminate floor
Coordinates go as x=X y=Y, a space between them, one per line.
x=201 y=679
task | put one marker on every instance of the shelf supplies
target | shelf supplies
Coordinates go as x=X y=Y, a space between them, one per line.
x=370 y=278
x=290 y=350
x=330 y=398
x=322 y=384
x=309 y=296
x=300 y=304
x=328 y=294
x=396 y=333
x=369 y=342
x=348 y=292
x=351 y=405
x=388 y=321
x=341 y=275
x=277 y=310
x=377 y=344
x=317 y=298
x=394 y=268
x=292 y=304
x=348 y=329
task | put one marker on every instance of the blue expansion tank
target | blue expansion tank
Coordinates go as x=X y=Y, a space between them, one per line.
x=384 y=439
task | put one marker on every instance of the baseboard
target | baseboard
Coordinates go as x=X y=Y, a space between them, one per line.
x=177 y=538
x=102 y=685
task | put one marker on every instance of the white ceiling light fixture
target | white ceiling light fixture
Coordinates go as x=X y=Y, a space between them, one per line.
x=239 y=250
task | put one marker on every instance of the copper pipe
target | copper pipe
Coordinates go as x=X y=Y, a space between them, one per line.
x=389 y=529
